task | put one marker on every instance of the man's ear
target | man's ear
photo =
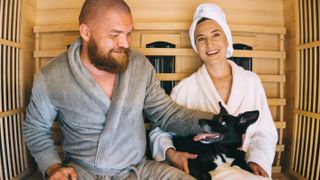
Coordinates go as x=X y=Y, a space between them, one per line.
x=85 y=32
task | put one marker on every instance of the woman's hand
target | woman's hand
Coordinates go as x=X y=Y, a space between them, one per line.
x=179 y=159
x=258 y=170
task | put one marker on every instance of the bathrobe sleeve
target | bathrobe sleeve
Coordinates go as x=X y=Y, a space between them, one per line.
x=163 y=112
x=161 y=141
x=40 y=115
x=263 y=139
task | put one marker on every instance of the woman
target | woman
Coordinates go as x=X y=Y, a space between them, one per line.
x=219 y=79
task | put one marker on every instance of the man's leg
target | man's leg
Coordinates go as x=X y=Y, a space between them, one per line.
x=146 y=169
x=158 y=170
x=82 y=173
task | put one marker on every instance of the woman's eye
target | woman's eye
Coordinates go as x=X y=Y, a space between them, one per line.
x=200 y=39
x=113 y=35
x=216 y=34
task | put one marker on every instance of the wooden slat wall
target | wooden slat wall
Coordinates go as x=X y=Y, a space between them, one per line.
x=264 y=13
x=13 y=151
x=306 y=146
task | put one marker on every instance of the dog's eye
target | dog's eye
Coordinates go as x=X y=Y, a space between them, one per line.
x=223 y=123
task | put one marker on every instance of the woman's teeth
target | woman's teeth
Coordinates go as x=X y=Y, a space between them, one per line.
x=212 y=52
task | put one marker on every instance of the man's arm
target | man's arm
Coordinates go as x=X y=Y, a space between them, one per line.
x=40 y=115
x=160 y=142
x=165 y=113
x=162 y=149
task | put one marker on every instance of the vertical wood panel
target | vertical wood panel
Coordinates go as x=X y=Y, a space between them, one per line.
x=306 y=141
x=1 y=18
x=2 y=167
x=318 y=74
x=307 y=134
x=1 y=78
x=37 y=48
x=10 y=21
x=5 y=74
x=11 y=140
x=299 y=121
x=7 y=148
x=14 y=21
x=313 y=148
x=317 y=169
x=15 y=151
x=18 y=21
x=5 y=20
x=295 y=145
x=281 y=93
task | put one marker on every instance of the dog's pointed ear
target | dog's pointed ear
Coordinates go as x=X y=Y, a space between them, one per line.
x=248 y=118
x=222 y=109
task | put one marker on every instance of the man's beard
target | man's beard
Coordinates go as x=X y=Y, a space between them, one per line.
x=107 y=62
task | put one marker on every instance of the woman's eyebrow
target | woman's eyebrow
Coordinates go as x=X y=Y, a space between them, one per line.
x=213 y=31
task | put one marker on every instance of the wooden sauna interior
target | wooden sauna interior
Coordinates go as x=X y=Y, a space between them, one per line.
x=283 y=35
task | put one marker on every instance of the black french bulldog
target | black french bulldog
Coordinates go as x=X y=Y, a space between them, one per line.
x=221 y=142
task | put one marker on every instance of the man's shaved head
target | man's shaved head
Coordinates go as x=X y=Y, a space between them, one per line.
x=93 y=8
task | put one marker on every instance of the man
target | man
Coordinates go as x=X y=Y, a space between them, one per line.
x=100 y=90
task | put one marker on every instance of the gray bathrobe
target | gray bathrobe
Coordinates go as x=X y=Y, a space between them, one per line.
x=104 y=135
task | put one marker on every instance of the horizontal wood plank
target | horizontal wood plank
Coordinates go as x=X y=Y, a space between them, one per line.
x=165 y=26
x=277 y=101
x=177 y=52
x=309 y=45
x=276 y=169
x=11 y=44
x=180 y=76
x=11 y=112
x=280 y=124
x=307 y=114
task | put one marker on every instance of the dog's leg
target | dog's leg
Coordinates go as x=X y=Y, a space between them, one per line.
x=242 y=164
x=200 y=167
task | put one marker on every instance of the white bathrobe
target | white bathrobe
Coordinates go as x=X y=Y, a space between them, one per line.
x=247 y=93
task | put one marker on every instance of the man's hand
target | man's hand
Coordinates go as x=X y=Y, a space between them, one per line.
x=179 y=159
x=258 y=170
x=56 y=172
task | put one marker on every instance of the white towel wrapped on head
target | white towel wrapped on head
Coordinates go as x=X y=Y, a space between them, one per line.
x=214 y=12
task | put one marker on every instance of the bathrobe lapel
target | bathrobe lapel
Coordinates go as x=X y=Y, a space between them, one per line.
x=208 y=89
x=113 y=118
x=112 y=108
x=238 y=89
x=84 y=78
